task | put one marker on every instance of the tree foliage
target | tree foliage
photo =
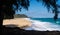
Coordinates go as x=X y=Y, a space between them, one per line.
x=51 y=4
x=6 y=7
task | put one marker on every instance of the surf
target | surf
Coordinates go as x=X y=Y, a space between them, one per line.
x=43 y=26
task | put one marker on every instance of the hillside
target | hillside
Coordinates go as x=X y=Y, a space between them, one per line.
x=16 y=16
x=20 y=16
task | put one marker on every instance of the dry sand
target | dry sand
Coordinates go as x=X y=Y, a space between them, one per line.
x=20 y=22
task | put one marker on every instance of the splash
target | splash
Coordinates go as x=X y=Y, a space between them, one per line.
x=43 y=26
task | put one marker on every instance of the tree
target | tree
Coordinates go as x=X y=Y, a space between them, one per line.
x=6 y=8
x=51 y=4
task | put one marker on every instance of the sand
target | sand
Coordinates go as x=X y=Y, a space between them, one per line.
x=19 y=22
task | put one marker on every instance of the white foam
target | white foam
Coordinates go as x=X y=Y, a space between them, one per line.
x=43 y=26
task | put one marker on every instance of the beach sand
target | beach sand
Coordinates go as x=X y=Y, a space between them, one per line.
x=19 y=22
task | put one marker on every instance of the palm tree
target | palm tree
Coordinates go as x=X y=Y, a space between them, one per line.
x=51 y=4
x=7 y=9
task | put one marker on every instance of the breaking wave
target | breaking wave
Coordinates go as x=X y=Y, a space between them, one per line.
x=43 y=26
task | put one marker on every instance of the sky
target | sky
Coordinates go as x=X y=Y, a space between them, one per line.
x=37 y=10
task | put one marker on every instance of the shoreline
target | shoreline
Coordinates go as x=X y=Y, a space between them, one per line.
x=28 y=24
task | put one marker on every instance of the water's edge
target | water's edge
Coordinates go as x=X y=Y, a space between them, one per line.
x=42 y=26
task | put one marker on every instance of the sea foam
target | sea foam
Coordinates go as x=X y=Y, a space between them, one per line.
x=43 y=26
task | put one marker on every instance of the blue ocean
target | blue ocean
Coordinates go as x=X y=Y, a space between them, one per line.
x=44 y=24
x=48 y=20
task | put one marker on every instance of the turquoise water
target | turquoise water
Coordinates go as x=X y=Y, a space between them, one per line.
x=47 y=20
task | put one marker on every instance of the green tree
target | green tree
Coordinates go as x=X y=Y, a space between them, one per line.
x=7 y=9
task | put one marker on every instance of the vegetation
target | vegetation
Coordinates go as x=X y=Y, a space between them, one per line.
x=51 y=5
x=8 y=7
x=20 y=16
x=7 y=10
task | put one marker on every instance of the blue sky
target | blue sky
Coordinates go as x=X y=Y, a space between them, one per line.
x=37 y=10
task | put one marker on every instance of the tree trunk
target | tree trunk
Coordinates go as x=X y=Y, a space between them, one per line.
x=55 y=17
x=1 y=19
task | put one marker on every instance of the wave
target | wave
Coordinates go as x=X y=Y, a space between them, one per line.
x=43 y=26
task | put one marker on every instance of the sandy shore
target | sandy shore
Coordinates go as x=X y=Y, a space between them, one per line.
x=20 y=22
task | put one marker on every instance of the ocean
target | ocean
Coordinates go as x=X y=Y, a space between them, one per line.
x=48 y=20
x=44 y=24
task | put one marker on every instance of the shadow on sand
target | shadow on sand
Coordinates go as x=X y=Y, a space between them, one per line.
x=18 y=31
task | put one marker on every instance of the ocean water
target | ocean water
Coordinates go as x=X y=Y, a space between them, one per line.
x=44 y=24
x=51 y=20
